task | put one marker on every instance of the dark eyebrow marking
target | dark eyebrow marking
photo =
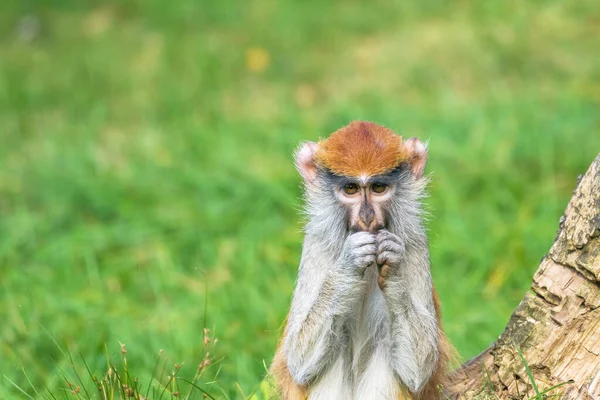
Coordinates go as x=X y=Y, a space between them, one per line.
x=387 y=179
x=390 y=177
x=339 y=180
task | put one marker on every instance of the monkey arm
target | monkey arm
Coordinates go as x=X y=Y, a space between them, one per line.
x=414 y=333
x=408 y=291
x=326 y=292
x=315 y=329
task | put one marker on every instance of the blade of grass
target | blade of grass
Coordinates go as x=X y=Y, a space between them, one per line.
x=153 y=374
x=487 y=380
x=205 y=306
x=239 y=388
x=269 y=377
x=171 y=377
x=65 y=394
x=118 y=378
x=198 y=372
x=222 y=390
x=49 y=392
x=92 y=377
x=77 y=374
x=125 y=368
x=53 y=340
x=65 y=377
x=18 y=387
x=529 y=373
x=554 y=387
x=109 y=379
x=29 y=381
x=199 y=388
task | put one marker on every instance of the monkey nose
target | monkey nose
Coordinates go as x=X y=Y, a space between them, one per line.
x=366 y=215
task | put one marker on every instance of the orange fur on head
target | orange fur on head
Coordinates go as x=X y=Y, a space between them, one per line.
x=362 y=148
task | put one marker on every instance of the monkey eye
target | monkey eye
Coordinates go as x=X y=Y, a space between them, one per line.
x=351 y=188
x=378 y=187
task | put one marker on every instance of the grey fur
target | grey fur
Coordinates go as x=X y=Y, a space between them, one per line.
x=339 y=311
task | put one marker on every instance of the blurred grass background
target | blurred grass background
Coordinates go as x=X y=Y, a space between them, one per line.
x=146 y=161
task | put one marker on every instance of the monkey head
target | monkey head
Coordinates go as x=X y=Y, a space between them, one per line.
x=363 y=167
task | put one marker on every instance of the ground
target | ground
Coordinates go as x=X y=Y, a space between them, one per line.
x=147 y=186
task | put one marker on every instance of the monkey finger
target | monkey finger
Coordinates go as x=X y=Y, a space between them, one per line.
x=366 y=242
x=386 y=257
x=366 y=260
x=367 y=250
x=361 y=238
x=385 y=234
x=389 y=245
x=389 y=239
x=384 y=270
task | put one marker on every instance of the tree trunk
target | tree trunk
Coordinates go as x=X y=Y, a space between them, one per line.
x=557 y=325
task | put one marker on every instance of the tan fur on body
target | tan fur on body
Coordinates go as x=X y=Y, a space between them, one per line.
x=446 y=356
x=287 y=388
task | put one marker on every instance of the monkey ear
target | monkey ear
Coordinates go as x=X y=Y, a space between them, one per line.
x=418 y=151
x=305 y=162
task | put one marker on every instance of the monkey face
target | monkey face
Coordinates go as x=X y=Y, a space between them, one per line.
x=365 y=169
x=365 y=199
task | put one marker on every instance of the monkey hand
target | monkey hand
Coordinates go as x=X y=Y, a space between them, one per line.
x=358 y=252
x=390 y=253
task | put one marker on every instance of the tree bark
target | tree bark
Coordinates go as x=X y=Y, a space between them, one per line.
x=557 y=325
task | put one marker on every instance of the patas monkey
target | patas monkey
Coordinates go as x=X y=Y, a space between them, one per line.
x=364 y=322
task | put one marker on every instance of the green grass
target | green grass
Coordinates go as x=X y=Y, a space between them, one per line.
x=145 y=162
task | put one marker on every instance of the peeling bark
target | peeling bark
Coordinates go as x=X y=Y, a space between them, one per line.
x=557 y=324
